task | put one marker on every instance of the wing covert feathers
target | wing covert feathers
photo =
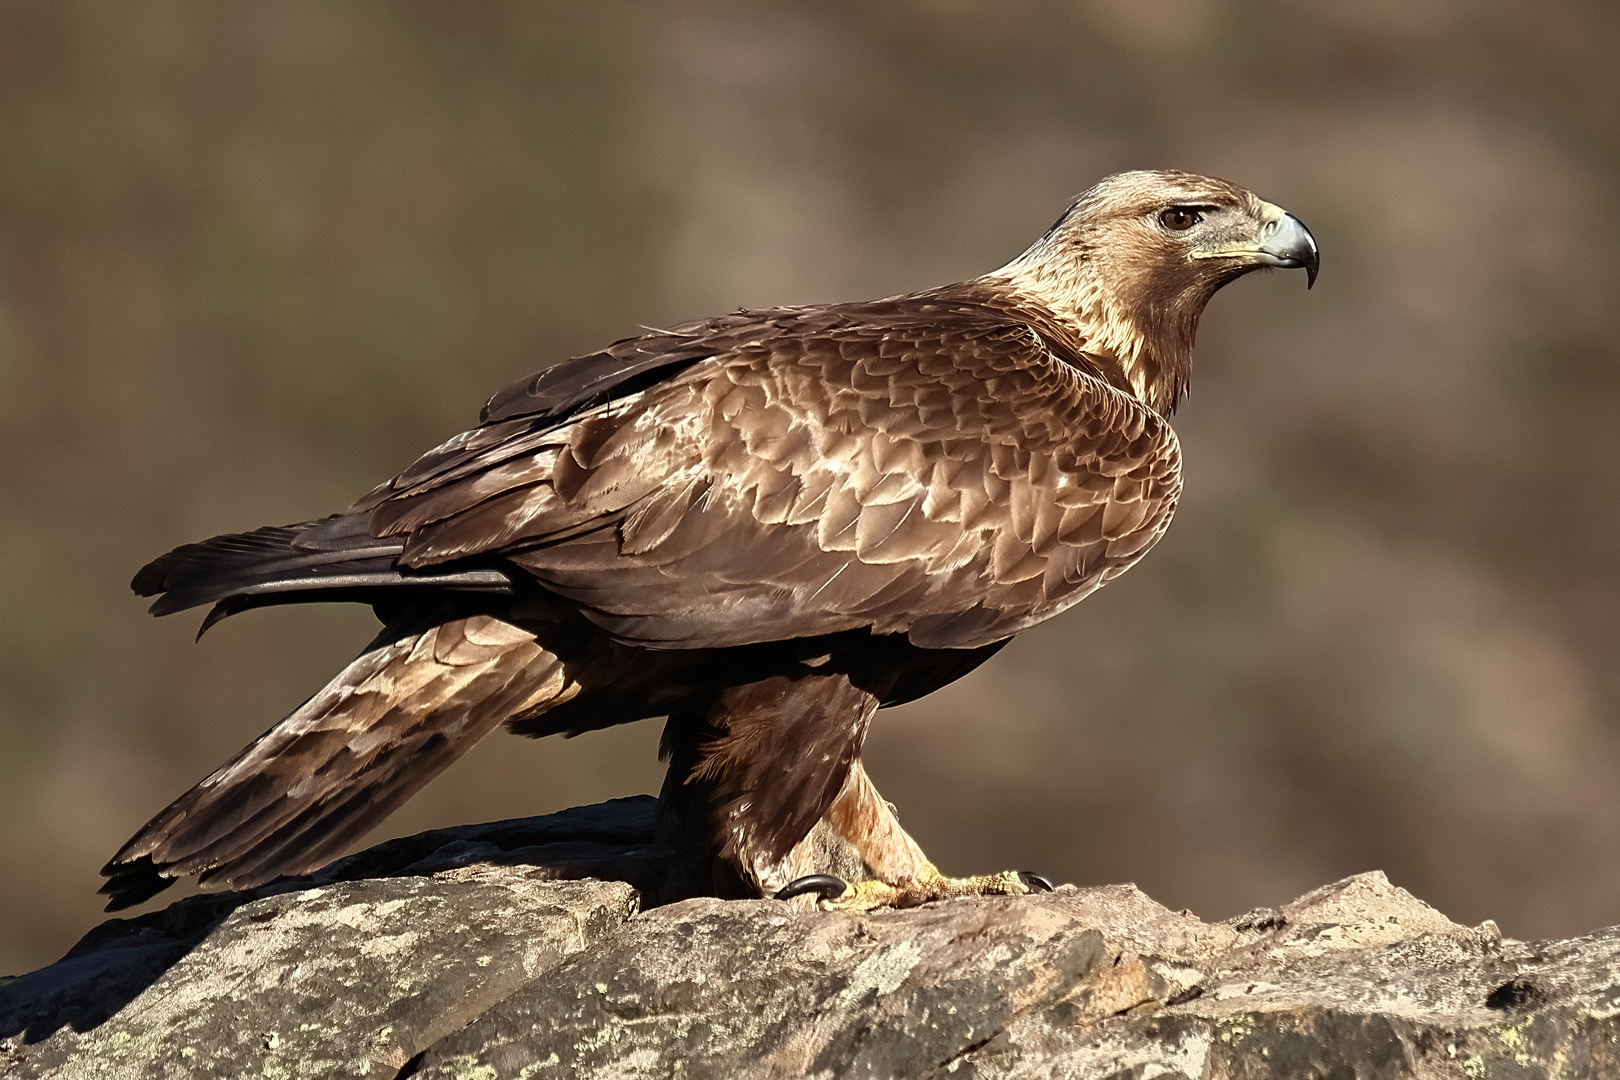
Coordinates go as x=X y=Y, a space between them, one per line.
x=926 y=465
x=950 y=466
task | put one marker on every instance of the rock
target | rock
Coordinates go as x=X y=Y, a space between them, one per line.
x=495 y=951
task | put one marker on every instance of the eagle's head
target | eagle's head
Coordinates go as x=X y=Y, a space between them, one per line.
x=1132 y=262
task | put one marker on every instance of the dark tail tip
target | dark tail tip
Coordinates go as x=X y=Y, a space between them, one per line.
x=132 y=883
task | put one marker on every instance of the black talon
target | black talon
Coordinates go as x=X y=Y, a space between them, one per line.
x=1032 y=881
x=823 y=885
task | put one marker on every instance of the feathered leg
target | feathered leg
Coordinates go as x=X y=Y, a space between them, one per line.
x=774 y=767
x=787 y=748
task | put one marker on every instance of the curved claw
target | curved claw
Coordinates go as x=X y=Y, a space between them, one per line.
x=826 y=886
x=1032 y=881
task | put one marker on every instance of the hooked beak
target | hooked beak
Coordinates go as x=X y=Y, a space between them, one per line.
x=1283 y=242
x=1286 y=242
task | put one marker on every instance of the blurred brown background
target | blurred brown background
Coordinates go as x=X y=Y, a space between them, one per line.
x=254 y=257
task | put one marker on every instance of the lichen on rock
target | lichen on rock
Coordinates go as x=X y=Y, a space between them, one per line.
x=552 y=947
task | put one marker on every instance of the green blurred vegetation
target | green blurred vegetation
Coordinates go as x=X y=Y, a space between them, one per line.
x=254 y=257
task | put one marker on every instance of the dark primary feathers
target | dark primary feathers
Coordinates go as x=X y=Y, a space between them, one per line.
x=653 y=528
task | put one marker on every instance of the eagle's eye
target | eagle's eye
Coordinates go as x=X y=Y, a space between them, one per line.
x=1180 y=219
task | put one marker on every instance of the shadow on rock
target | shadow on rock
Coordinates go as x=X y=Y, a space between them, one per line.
x=120 y=959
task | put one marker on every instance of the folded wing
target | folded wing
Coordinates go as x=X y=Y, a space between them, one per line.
x=947 y=476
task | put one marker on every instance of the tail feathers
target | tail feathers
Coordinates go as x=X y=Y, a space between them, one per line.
x=344 y=760
x=287 y=562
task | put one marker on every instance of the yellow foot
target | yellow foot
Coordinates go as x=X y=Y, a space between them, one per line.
x=836 y=894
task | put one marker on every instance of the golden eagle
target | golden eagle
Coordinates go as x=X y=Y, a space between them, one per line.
x=763 y=526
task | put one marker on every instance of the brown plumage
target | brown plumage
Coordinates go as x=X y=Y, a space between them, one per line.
x=764 y=526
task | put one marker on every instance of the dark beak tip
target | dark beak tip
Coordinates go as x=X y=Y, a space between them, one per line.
x=1291 y=245
x=1313 y=259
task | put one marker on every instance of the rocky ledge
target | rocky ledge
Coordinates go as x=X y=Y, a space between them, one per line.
x=523 y=949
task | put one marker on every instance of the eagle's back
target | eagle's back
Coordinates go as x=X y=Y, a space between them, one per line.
x=948 y=465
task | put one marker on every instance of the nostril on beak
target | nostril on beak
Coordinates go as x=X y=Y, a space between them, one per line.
x=1288 y=243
